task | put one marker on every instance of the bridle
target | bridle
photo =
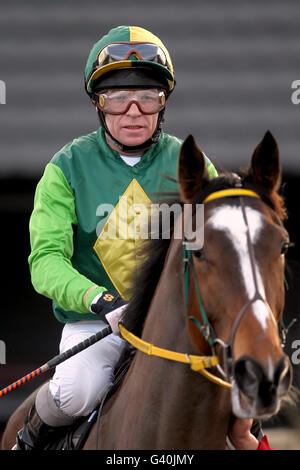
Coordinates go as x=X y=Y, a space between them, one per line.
x=201 y=363
x=226 y=347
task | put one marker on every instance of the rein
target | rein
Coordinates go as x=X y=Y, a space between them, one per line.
x=197 y=363
x=201 y=363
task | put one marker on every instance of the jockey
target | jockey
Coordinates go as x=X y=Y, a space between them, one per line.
x=90 y=183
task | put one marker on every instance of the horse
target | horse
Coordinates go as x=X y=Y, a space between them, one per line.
x=221 y=300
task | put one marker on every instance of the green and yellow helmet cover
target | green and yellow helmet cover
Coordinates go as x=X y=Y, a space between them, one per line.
x=126 y=34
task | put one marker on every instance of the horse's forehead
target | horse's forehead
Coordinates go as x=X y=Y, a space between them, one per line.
x=231 y=220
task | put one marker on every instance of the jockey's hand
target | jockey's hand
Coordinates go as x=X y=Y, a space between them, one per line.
x=114 y=317
x=240 y=435
x=109 y=306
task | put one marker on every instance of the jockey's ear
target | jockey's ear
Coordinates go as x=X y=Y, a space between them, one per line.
x=192 y=171
x=264 y=168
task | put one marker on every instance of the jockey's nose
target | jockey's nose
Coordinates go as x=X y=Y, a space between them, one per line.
x=133 y=110
x=263 y=384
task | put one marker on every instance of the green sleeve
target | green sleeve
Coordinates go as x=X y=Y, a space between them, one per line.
x=51 y=238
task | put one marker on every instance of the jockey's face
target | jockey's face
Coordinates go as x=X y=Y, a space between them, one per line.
x=132 y=128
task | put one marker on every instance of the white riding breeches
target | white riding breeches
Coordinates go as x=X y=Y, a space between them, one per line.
x=79 y=383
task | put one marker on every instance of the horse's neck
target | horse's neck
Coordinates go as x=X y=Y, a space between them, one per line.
x=164 y=404
x=191 y=401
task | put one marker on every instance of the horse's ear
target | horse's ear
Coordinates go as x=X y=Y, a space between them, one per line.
x=192 y=172
x=265 y=164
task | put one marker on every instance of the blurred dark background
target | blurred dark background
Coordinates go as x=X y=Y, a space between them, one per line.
x=234 y=62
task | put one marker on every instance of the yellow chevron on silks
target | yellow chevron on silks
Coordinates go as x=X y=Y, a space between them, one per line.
x=120 y=243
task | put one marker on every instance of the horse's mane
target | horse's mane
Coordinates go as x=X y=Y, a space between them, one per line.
x=155 y=250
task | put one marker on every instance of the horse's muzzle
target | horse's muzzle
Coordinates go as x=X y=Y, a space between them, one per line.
x=258 y=387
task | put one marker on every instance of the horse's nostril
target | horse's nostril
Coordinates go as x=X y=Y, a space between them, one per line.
x=248 y=374
x=280 y=370
x=267 y=391
x=283 y=375
x=255 y=382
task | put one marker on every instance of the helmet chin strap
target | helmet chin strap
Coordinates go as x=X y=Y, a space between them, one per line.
x=134 y=148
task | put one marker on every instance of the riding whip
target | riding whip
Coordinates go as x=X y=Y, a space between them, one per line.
x=58 y=359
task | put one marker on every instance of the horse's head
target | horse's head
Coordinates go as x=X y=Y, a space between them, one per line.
x=240 y=274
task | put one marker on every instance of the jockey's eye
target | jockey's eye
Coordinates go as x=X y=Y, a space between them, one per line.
x=285 y=247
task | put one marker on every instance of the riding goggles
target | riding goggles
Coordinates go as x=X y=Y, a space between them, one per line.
x=148 y=101
x=123 y=51
x=116 y=56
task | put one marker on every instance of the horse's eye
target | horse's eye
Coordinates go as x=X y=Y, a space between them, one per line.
x=199 y=254
x=285 y=247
